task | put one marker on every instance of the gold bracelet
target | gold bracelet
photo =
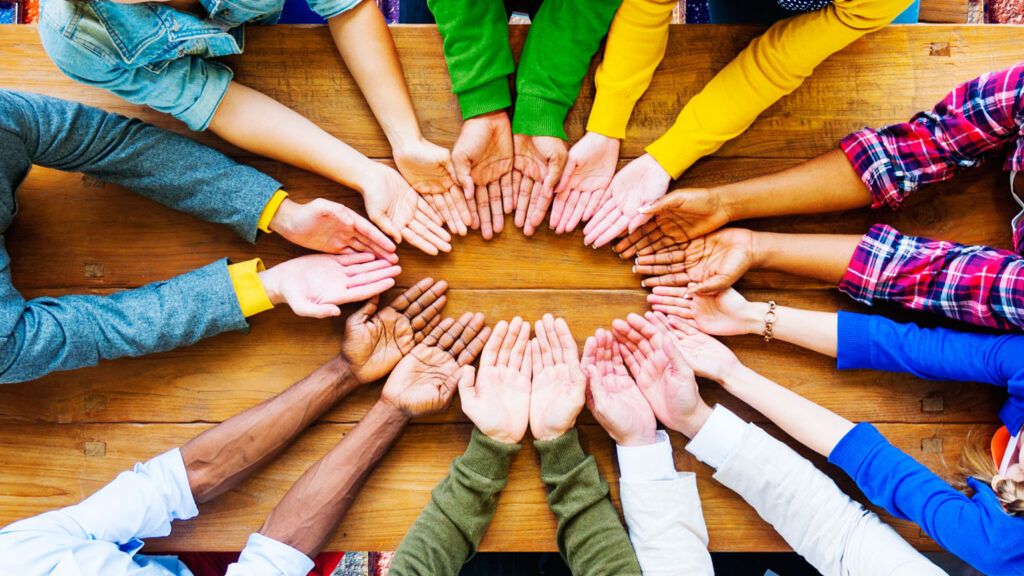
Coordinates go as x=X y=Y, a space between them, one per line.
x=769 y=321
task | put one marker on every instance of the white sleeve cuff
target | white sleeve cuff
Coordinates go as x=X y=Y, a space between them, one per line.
x=648 y=463
x=721 y=435
x=265 y=556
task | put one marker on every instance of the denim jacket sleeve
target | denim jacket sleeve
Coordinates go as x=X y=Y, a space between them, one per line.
x=170 y=169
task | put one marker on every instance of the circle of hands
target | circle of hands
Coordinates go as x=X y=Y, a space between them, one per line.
x=641 y=371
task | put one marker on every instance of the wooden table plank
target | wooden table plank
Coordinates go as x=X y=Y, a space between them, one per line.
x=204 y=382
x=944 y=11
x=58 y=465
x=850 y=90
x=123 y=240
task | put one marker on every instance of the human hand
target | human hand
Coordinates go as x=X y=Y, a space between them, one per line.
x=663 y=376
x=317 y=284
x=559 y=386
x=641 y=182
x=375 y=340
x=425 y=380
x=401 y=213
x=483 y=165
x=428 y=168
x=677 y=218
x=539 y=161
x=708 y=357
x=712 y=263
x=727 y=313
x=330 y=227
x=613 y=397
x=588 y=172
x=498 y=402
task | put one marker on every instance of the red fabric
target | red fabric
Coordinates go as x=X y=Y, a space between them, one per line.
x=216 y=563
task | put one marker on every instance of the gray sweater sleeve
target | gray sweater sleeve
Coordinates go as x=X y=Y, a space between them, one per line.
x=170 y=169
x=836 y=535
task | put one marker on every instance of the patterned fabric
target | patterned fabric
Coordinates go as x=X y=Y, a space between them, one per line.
x=974 y=284
x=803 y=5
x=973 y=123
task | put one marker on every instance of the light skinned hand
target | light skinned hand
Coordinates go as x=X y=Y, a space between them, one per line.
x=428 y=168
x=708 y=357
x=712 y=263
x=316 y=285
x=727 y=313
x=559 y=386
x=612 y=395
x=588 y=172
x=483 y=157
x=663 y=375
x=376 y=339
x=330 y=227
x=403 y=214
x=498 y=400
x=539 y=161
x=425 y=380
x=640 y=182
x=677 y=218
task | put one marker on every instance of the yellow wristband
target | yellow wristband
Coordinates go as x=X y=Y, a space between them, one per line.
x=270 y=210
x=252 y=297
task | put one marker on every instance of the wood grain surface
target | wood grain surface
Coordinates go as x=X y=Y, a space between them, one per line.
x=64 y=436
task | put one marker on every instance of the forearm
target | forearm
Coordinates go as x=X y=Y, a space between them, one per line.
x=562 y=40
x=589 y=534
x=810 y=329
x=826 y=183
x=311 y=510
x=820 y=256
x=257 y=123
x=812 y=425
x=636 y=44
x=220 y=458
x=365 y=44
x=448 y=531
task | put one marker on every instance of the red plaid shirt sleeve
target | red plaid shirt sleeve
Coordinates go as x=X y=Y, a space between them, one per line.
x=974 y=284
x=973 y=122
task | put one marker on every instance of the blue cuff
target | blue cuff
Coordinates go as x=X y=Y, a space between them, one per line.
x=328 y=9
x=853 y=347
x=854 y=448
x=198 y=116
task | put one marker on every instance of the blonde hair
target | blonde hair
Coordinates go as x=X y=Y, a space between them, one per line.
x=976 y=462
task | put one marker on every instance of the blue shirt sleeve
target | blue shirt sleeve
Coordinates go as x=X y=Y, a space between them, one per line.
x=975 y=529
x=878 y=343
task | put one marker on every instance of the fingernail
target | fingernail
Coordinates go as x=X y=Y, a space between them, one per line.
x=643 y=284
x=634 y=269
x=636 y=260
x=594 y=246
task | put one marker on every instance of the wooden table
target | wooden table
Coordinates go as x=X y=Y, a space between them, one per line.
x=66 y=435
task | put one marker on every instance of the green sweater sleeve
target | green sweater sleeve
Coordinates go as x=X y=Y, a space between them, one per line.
x=562 y=40
x=449 y=529
x=476 y=48
x=590 y=536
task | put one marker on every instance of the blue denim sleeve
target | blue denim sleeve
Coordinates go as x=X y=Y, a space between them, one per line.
x=48 y=334
x=189 y=88
x=330 y=8
x=170 y=169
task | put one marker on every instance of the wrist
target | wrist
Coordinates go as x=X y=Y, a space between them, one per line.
x=753 y=318
x=503 y=436
x=761 y=247
x=636 y=438
x=549 y=434
x=368 y=173
x=272 y=285
x=283 y=221
x=403 y=144
x=692 y=423
x=391 y=410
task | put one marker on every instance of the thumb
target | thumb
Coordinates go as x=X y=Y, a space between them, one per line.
x=713 y=285
x=675 y=355
x=388 y=227
x=311 y=310
x=364 y=312
x=463 y=175
x=659 y=205
x=567 y=173
x=595 y=384
x=467 y=383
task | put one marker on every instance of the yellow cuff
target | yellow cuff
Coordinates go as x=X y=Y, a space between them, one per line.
x=252 y=297
x=270 y=210
x=610 y=114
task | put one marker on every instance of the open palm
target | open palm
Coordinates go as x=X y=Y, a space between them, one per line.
x=713 y=262
x=612 y=395
x=498 y=402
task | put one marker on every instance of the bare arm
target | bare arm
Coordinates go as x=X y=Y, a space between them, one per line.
x=819 y=256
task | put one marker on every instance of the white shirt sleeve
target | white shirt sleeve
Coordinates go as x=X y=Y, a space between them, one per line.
x=663 y=512
x=837 y=535
x=263 y=556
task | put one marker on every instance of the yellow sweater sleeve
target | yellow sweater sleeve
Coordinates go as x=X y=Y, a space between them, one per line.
x=252 y=297
x=773 y=65
x=270 y=210
x=636 y=44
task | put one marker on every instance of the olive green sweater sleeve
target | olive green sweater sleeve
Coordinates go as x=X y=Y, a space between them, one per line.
x=449 y=529
x=590 y=535
x=476 y=48
x=563 y=38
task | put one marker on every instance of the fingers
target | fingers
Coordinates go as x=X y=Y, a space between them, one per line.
x=372 y=276
x=353 y=258
x=483 y=211
x=428 y=236
x=559 y=205
x=437 y=202
x=526 y=186
x=434 y=336
x=411 y=294
x=467 y=384
x=577 y=204
x=463 y=174
x=452 y=339
x=312 y=310
x=494 y=345
x=637 y=221
x=354 y=269
x=597 y=394
x=428 y=306
x=638 y=240
x=679 y=279
x=675 y=355
x=536 y=356
x=421 y=335
x=540 y=200
x=660 y=269
x=460 y=208
x=597 y=199
x=566 y=343
x=507 y=193
x=597 y=223
x=589 y=351
x=547 y=340
x=474 y=346
x=494 y=204
x=661 y=244
x=670 y=256
x=373 y=239
x=367 y=290
x=519 y=357
x=612 y=231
